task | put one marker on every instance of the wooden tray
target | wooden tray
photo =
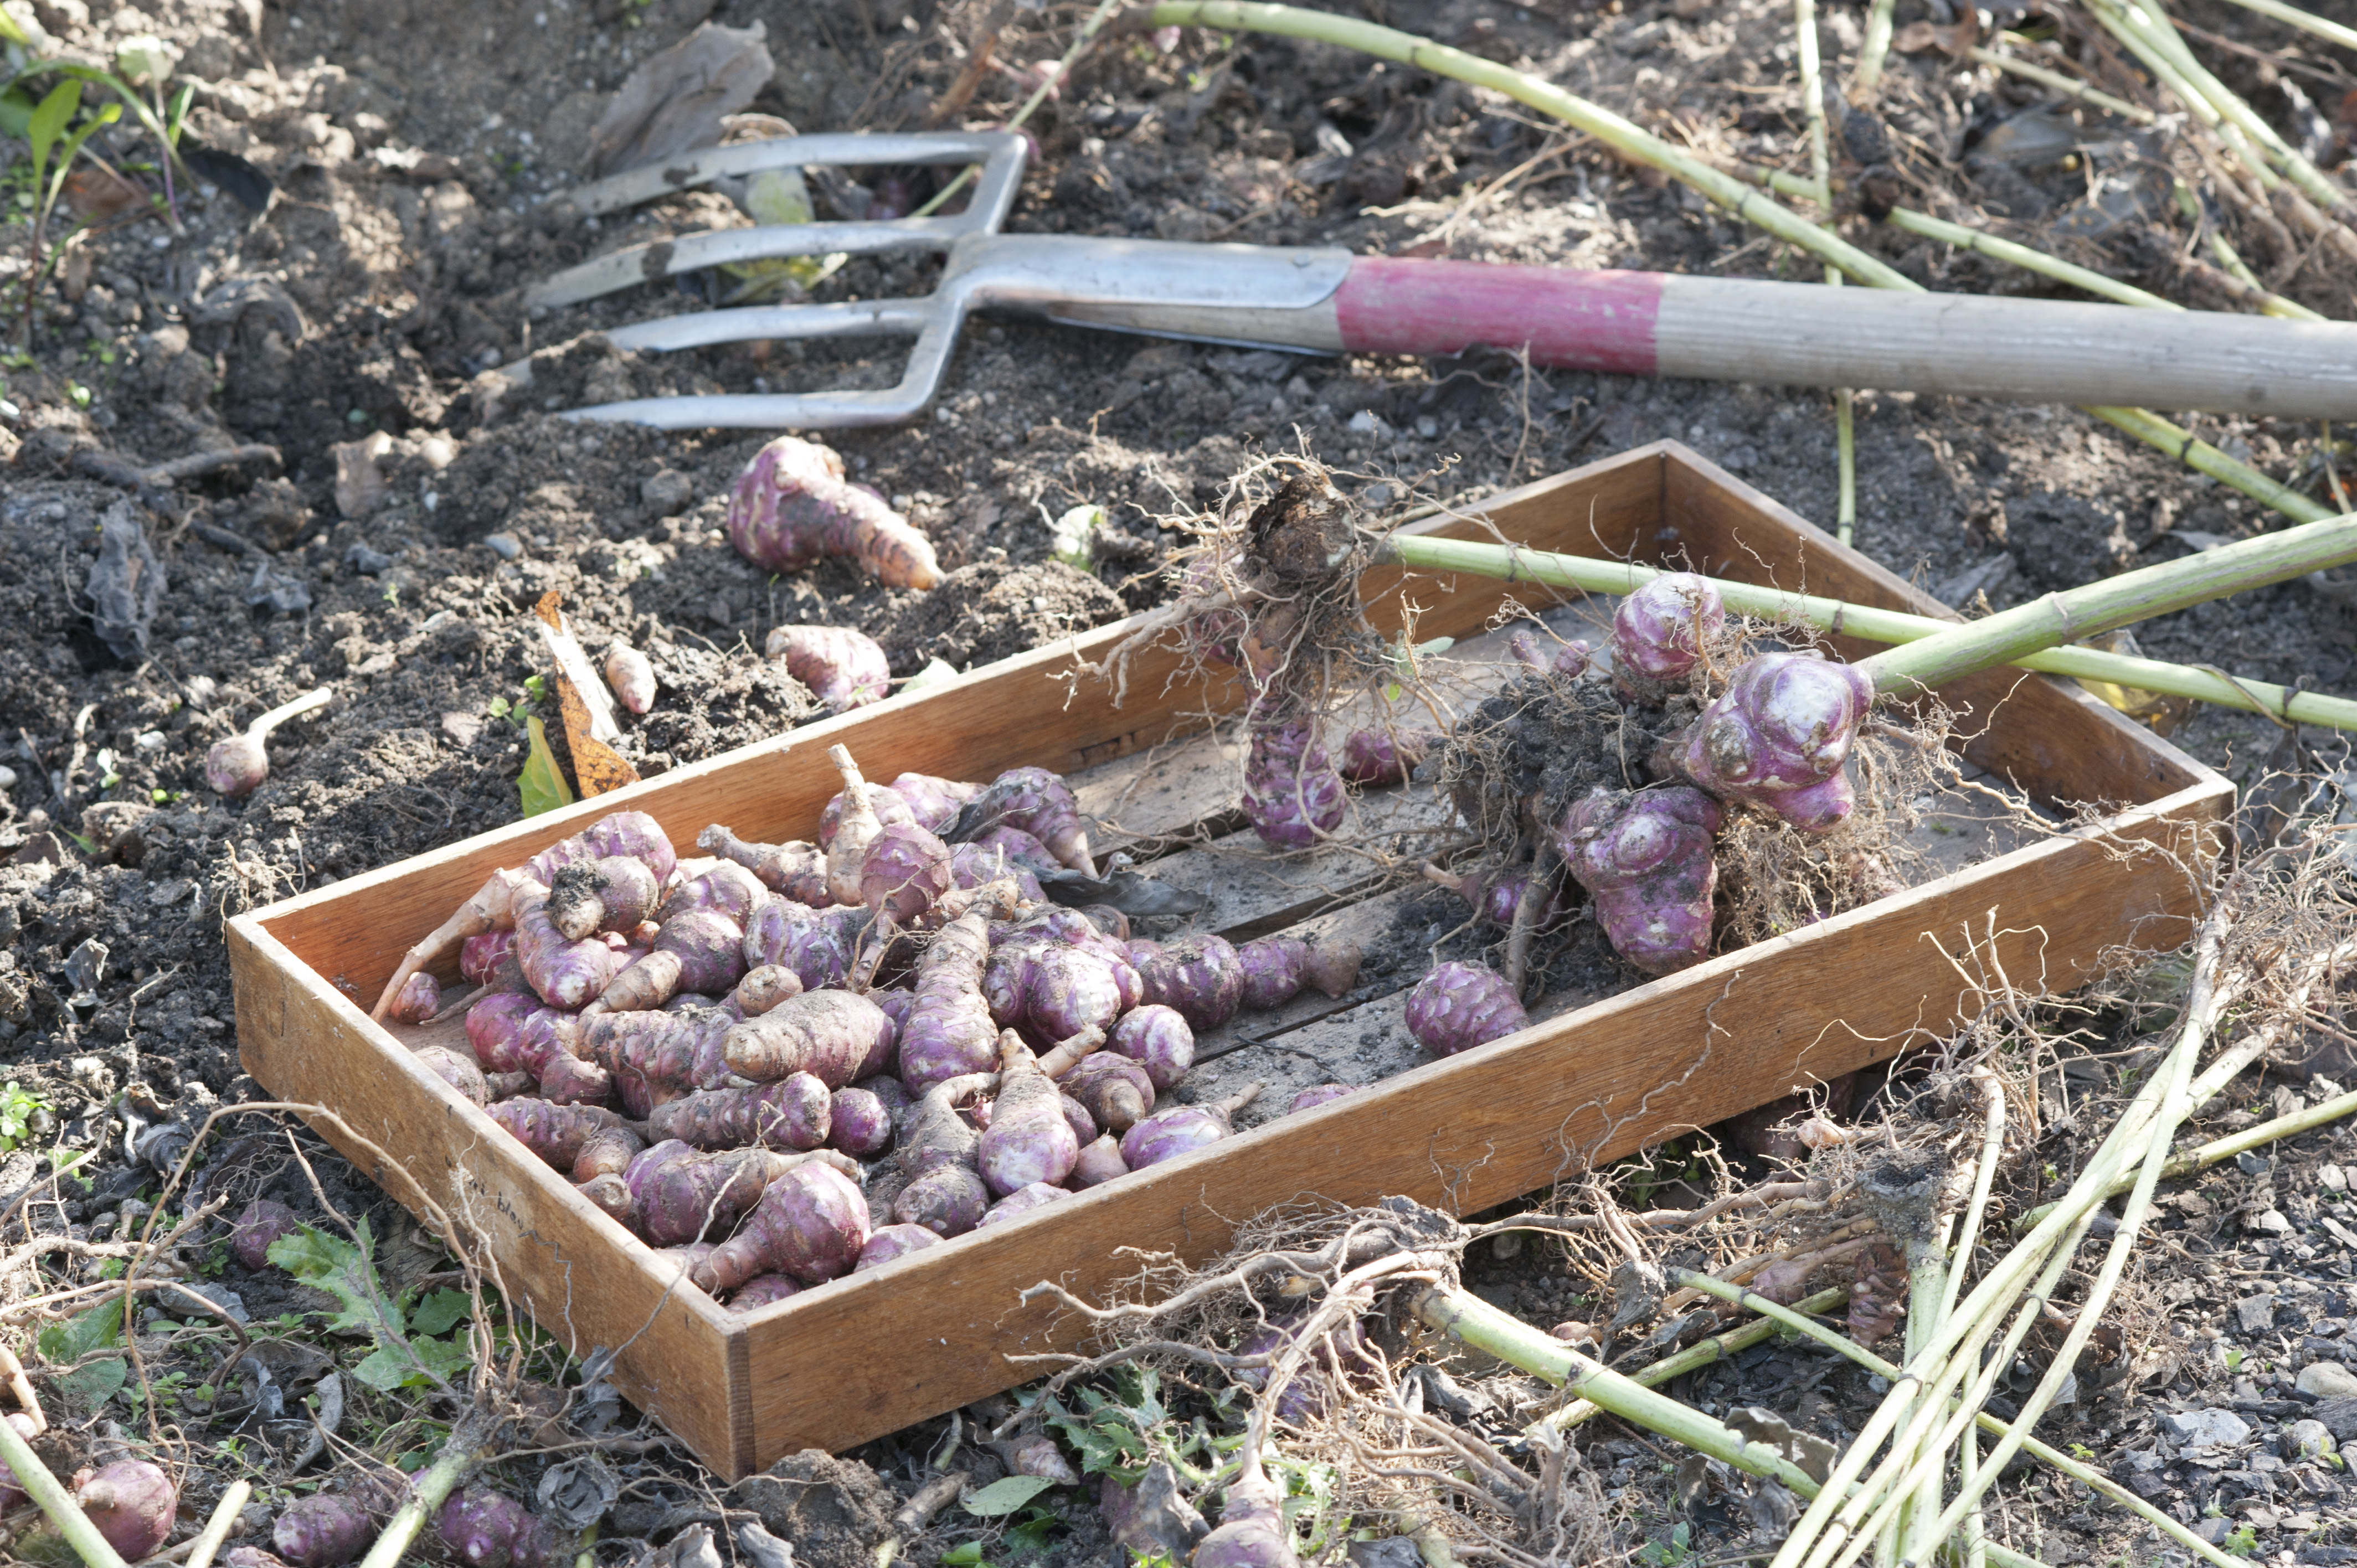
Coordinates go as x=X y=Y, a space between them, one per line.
x=868 y=1355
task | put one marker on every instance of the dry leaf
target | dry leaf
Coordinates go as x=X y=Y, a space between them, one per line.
x=1951 y=41
x=597 y=766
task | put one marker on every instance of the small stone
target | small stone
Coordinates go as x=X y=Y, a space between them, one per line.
x=2204 y=1428
x=667 y=492
x=2328 y=1379
x=2252 y=1165
x=2213 y=1529
x=149 y=741
x=2273 y=1223
x=2306 y=1440
x=7 y=779
x=506 y=546
x=2332 y=1178
x=2256 y=1313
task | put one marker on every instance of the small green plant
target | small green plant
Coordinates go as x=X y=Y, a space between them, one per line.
x=2082 y=1452
x=19 y=1106
x=2242 y=1542
x=1670 y=1551
x=407 y=1354
x=51 y=136
x=2234 y=1359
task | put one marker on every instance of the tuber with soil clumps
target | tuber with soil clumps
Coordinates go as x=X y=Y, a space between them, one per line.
x=793 y=508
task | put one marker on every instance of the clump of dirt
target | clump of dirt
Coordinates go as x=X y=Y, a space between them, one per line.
x=834 y=1512
x=1519 y=760
x=984 y=612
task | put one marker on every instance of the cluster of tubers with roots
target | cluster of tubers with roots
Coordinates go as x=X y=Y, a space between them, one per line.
x=787 y=1062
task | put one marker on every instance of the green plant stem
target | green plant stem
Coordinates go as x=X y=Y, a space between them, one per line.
x=1701 y=1353
x=2055 y=82
x=428 y=1493
x=1601 y=576
x=2267 y=298
x=2028 y=260
x=2056 y=618
x=1795 y=1319
x=224 y=1516
x=2222 y=1149
x=1472 y=1322
x=1405 y=49
x=1876 y=49
x=1846 y=454
x=57 y=1503
x=2343 y=35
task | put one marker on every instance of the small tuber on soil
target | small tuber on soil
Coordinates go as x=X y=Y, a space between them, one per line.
x=1377 y=756
x=263 y=1221
x=322 y=1531
x=238 y=765
x=843 y=667
x=633 y=678
x=131 y=1502
x=793 y=507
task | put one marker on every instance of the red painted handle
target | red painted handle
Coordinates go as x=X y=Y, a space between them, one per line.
x=1599 y=320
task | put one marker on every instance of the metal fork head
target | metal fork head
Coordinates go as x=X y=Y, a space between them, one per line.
x=933 y=320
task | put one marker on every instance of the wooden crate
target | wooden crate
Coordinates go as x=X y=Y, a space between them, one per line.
x=864 y=1356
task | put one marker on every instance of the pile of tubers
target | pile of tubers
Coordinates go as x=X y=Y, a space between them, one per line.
x=789 y=1062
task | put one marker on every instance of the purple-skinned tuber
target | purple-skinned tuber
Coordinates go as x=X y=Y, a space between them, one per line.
x=1646 y=860
x=1019 y=1202
x=903 y=871
x=264 y=1220
x=417 y=1000
x=1496 y=895
x=793 y=507
x=1293 y=797
x=1379 y=757
x=1041 y=804
x=482 y=1528
x=859 y=1123
x=1253 y=1532
x=131 y=1502
x=1099 y=1163
x=238 y=765
x=1182 y=1129
x=950 y=1032
x=794 y=868
x=811 y=1224
x=761 y=1290
x=843 y=667
x=892 y=1242
x=1030 y=1141
x=322 y=1531
x=1157 y=1039
x=1201 y=978
x=1116 y=1091
x=1777 y=737
x=1460 y=1006
x=1277 y=968
x=1319 y=1094
x=1659 y=633
x=945 y=1193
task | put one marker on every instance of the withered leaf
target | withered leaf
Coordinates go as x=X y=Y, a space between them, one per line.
x=597 y=766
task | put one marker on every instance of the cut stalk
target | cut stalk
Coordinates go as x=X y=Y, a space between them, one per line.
x=1876 y=49
x=1593 y=576
x=2026 y=259
x=2343 y=35
x=2114 y=602
x=2224 y=1149
x=2055 y=82
x=63 y=1512
x=208 y=1540
x=1470 y=1321
x=1702 y=1353
x=428 y=1492
x=1821 y=179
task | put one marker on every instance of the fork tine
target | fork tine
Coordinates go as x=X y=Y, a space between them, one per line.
x=798 y=411
x=743 y=324
x=705 y=164
x=667 y=258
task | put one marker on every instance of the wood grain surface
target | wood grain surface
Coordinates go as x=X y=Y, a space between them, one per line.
x=835 y=1366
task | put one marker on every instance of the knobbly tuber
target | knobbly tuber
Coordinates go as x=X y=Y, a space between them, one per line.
x=633 y=678
x=843 y=667
x=418 y=1000
x=238 y=765
x=796 y=869
x=1647 y=860
x=765 y=986
x=1021 y=1201
x=950 y=1032
x=1777 y=736
x=131 y=1502
x=612 y=893
x=1099 y=1163
x=1569 y=660
x=457 y=1071
x=793 y=508
x=1277 y=968
x=930 y=802
x=830 y=1035
x=890 y=1242
x=484 y=1528
x=816 y=944
x=810 y=1223
x=324 y=1530
x=656 y=1057
x=795 y=1112
x=608 y=1151
x=858 y=1123
x=1051 y=991
x=945 y=1193
x=1199 y=977
x=1496 y=895
x=263 y=1221
x=698 y=952
x=1375 y=757
x=1040 y=804
x=1159 y=1040
x=1460 y=1006
x=1076 y=1116
x=479 y=956
x=1116 y=1091
x=1659 y=633
x=555 y=1132
x=495 y=1028
x=1182 y=1129
x=761 y=1290
x=1293 y=796
x=565 y=973
x=1029 y=1141
x=570 y=1081
x=904 y=870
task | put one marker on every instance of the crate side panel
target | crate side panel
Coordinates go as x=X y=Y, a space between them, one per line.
x=1470 y=1131
x=568 y=1264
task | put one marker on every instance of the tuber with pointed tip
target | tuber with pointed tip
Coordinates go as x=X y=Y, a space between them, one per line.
x=1277 y=968
x=322 y=1531
x=417 y=1001
x=608 y=1151
x=1378 y=757
x=612 y=893
x=1460 y=1006
x=945 y=1192
x=924 y=798
x=557 y=1134
x=1254 y=1532
x=810 y=1223
x=950 y=1032
x=1659 y=632
x=793 y=507
x=633 y=678
x=1182 y=1129
x=263 y=1221
x=1159 y=1040
x=843 y=667
x=1777 y=737
x=830 y=1035
x=764 y=987
x=484 y=1528
x=698 y=952
x=890 y=1242
x=238 y=765
x=1039 y=803
x=1114 y=1091
x=1646 y=860
x=1293 y=797
x=794 y=868
x=795 y=1112
x=1030 y=1141
x=1099 y=1163
x=131 y=1502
